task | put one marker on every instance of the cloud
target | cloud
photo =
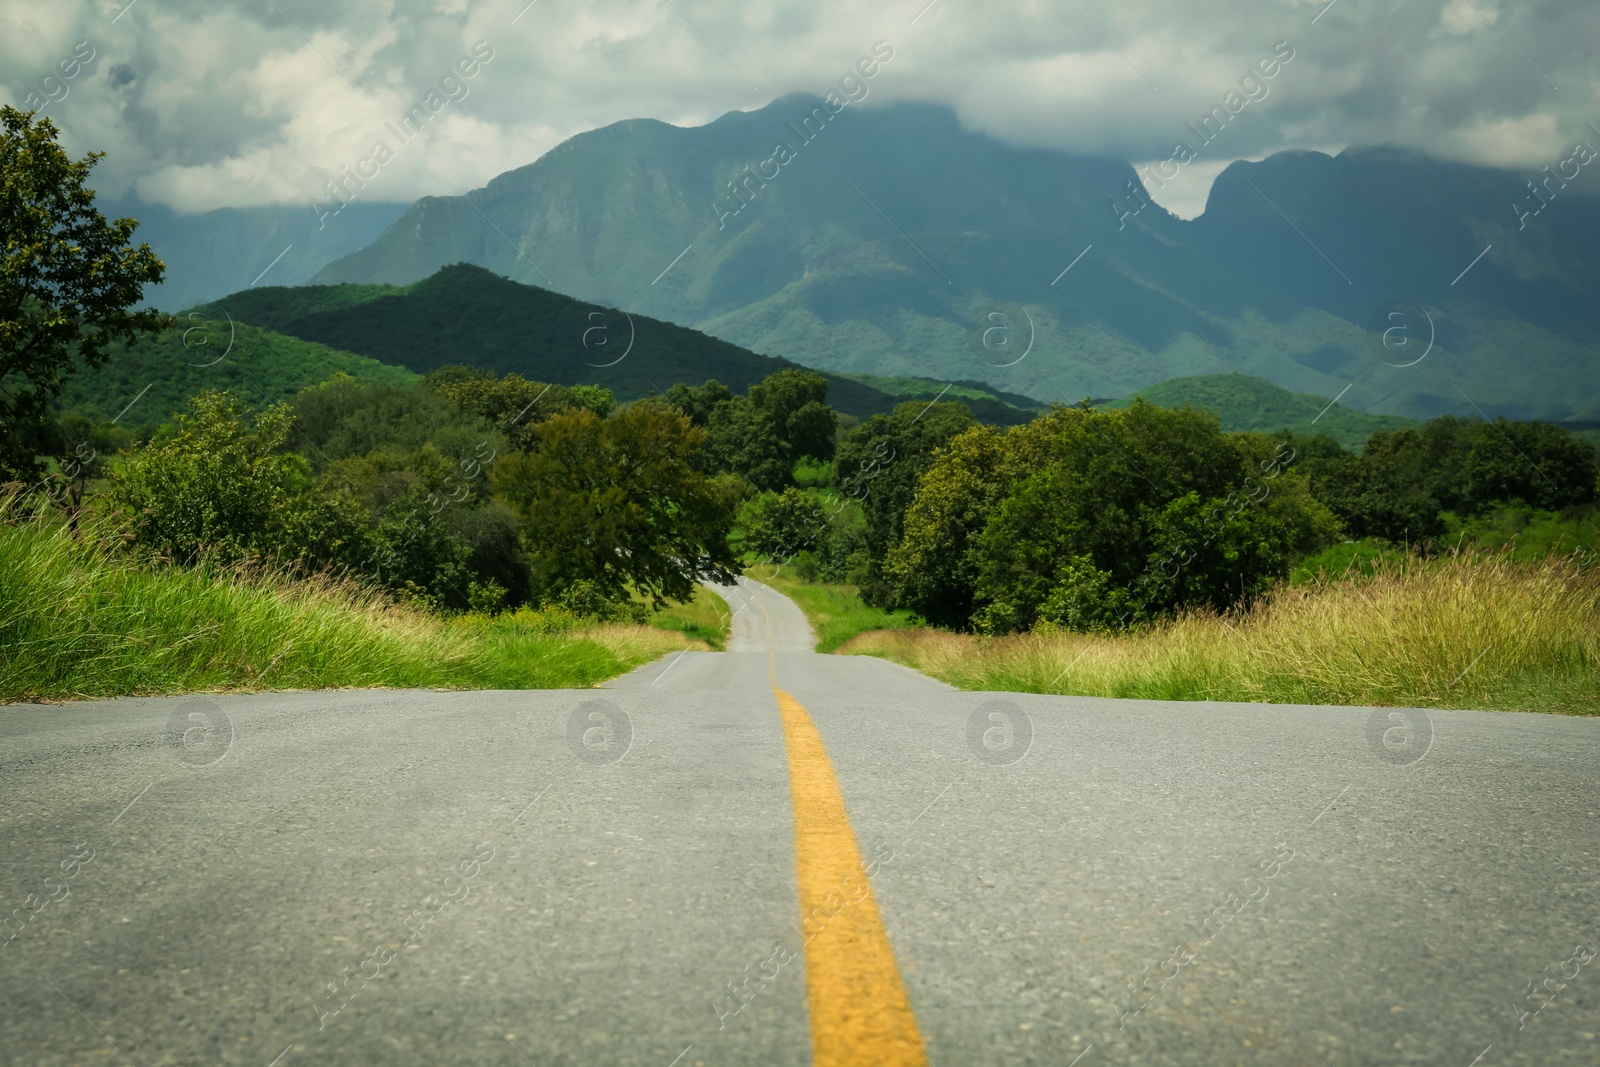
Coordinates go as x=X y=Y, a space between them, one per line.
x=201 y=107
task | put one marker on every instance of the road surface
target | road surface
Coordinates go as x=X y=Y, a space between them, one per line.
x=619 y=876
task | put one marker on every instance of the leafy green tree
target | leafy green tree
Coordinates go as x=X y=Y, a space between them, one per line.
x=797 y=403
x=68 y=278
x=414 y=553
x=699 y=401
x=513 y=405
x=878 y=466
x=81 y=451
x=1389 y=490
x=219 y=488
x=743 y=440
x=1405 y=481
x=1219 y=552
x=1106 y=476
x=933 y=569
x=490 y=534
x=1063 y=520
x=763 y=435
x=619 y=501
x=344 y=417
x=596 y=398
x=780 y=525
x=1533 y=463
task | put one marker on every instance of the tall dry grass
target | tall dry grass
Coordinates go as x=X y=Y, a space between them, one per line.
x=79 y=618
x=1465 y=631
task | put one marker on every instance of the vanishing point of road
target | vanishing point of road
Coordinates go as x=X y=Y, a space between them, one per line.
x=768 y=856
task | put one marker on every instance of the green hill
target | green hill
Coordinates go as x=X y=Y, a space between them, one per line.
x=1246 y=403
x=987 y=403
x=157 y=374
x=465 y=314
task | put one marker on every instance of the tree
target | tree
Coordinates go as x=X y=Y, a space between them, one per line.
x=67 y=281
x=1540 y=465
x=344 y=417
x=1405 y=480
x=699 y=401
x=761 y=436
x=513 y=404
x=620 y=501
x=781 y=525
x=879 y=464
x=80 y=453
x=1093 y=518
x=222 y=489
x=932 y=570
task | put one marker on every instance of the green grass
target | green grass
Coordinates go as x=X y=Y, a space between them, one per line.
x=836 y=612
x=1466 y=631
x=80 y=619
x=705 y=618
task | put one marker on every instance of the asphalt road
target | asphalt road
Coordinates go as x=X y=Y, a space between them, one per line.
x=614 y=876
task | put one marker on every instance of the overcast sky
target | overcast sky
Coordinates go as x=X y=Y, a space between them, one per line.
x=246 y=102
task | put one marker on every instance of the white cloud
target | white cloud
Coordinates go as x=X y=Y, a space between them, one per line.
x=242 y=105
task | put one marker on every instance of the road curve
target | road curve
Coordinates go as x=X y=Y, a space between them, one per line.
x=617 y=876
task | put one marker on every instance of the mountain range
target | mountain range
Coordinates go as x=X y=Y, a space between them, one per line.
x=890 y=241
x=218 y=252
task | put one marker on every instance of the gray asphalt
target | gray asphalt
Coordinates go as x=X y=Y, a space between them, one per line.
x=577 y=877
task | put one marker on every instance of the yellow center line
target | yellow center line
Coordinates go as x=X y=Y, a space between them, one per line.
x=860 y=1012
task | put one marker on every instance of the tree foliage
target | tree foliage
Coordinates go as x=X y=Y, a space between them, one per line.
x=763 y=435
x=221 y=487
x=1404 y=484
x=68 y=278
x=1065 y=519
x=879 y=464
x=619 y=501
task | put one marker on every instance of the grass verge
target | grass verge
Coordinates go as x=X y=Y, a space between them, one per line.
x=80 y=620
x=705 y=618
x=836 y=612
x=1467 y=631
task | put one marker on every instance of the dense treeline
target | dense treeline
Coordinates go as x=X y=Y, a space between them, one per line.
x=467 y=490
x=1086 y=519
x=463 y=490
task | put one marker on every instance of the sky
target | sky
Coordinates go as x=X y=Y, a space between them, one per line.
x=202 y=105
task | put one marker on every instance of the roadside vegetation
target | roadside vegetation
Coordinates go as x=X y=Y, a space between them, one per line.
x=705 y=617
x=1464 y=631
x=81 y=617
x=1142 y=552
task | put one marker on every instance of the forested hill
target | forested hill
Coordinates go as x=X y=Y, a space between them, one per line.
x=466 y=314
x=1244 y=402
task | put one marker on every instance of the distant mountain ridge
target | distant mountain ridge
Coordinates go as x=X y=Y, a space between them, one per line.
x=1245 y=403
x=893 y=238
x=217 y=252
x=466 y=314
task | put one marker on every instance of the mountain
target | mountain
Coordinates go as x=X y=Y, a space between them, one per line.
x=214 y=253
x=891 y=241
x=1245 y=403
x=465 y=314
x=142 y=384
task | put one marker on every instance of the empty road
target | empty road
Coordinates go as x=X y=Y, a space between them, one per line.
x=766 y=856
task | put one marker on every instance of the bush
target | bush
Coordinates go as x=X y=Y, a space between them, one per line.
x=1086 y=518
x=779 y=526
x=221 y=488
